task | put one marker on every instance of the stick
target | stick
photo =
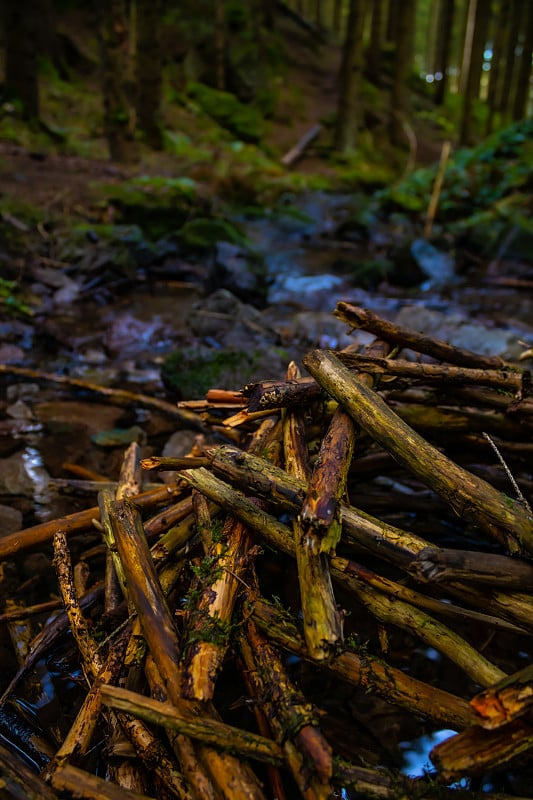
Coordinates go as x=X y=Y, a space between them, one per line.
x=405 y=337
x=75 y=523
x=437 y=373
x=225 y=737
x=120 y=397
x=370 y=673
x=444 y=565
x=299 y=148
x=321 y=617
x=506 y=700
x=437 y=188
x=293 y=721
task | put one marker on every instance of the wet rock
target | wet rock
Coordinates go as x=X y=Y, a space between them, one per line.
x=437 y=266
x=11 y=354
x=23 y=474
x=12 y=519
x=118 y=437
x=239 y=272
x=217 y=315
x=22 y=391
x=460 y=331
x=66 y=415
x=307 y=291
x=19 y=410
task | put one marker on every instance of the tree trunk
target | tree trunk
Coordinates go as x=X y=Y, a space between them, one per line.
x=443 y=48
x=337 y=17
x=220 y=45
x=269 y=14
x=393 y=15
x=524 y=65
x=510 y=59
x=350 y=79
x=480 y=9
x=402 y=67
x=119 y=118
x=20 y=34
x=318 y=13
x=501 y=35
x=149 y=72
x=374 y=57
x=432 y=36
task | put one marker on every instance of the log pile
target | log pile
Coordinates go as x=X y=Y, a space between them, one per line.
x=342 y=563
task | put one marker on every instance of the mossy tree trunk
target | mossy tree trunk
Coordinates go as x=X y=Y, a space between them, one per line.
x=149 y=72
x=20 y=34
x=402 y=67
x=350 y=79
x=119 y=116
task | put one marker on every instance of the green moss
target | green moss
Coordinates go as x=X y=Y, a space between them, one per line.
x=191 y=372
x=13 y=300
x=203 y=233
x=242 y=120
x=157 y=204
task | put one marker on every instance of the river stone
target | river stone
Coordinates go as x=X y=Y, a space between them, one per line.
x=237 y=271
x=23 y=474
x=219 y=313
x=461 y=332
x=11 y=520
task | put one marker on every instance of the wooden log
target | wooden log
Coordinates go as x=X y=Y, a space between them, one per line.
x=217 y=734
x=443 y=565
x=475 y=750
x=370 y=673
x=281 y=394
x=293 y=721
x=501 y=517
x=75 y=523
x=506 y=700
x=321 y=618
x=405 y=337
x=162 y=640
x=301 y=146
x=509 y=380
x=81 y=784
x=327 y=484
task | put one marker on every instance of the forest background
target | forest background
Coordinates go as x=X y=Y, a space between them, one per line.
x=145 y=75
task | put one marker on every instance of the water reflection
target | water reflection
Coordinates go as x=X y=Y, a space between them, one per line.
x=416 y=753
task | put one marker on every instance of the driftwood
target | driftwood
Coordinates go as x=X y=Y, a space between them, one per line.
x=233 y=627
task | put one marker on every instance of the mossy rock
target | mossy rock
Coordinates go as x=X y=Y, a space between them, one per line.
x=159 y=205
x=242 y=120
x=191 y=372
x=367 y=273
x=203 y=233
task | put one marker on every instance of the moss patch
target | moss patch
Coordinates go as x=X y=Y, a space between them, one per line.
x=242 y=120
x=191 y=372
